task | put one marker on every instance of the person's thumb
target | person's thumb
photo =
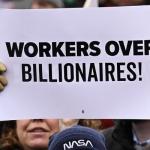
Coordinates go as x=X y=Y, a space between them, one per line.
x=2 y=68
x=3 y=80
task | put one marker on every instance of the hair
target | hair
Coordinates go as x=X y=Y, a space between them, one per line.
x=91 y=123
x=53 y=3
x=8 y=137
x=44 y=2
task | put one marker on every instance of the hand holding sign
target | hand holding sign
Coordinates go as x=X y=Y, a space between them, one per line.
x=3 y=80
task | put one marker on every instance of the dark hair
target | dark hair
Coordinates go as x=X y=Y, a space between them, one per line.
x=110 y=3
x=147 y=2
x=8 y=137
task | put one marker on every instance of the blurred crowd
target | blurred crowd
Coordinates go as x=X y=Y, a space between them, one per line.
x=27 y=4
x=35 y=134
x=123 y=2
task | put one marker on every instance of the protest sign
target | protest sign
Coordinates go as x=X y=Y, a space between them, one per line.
x=76 y=63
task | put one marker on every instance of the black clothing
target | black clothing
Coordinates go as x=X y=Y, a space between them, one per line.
x=119 y=137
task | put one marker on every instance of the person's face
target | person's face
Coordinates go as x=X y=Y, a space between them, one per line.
x=127 y=2
x=34 y=134
x=42 y=4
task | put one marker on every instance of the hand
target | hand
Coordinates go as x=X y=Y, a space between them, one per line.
x=3 y=80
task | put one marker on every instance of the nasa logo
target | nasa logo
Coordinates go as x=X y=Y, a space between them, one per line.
x=77 y=143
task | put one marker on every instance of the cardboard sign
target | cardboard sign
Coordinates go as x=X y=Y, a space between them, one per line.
x=76 y=63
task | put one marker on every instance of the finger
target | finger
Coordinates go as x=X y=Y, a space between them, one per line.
x=2 y=68
x=3 y=80
x=1 y=87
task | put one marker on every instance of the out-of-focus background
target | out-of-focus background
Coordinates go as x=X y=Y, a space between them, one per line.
x=27 y=4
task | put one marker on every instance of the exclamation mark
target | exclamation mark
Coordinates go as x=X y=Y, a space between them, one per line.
x=140 y=71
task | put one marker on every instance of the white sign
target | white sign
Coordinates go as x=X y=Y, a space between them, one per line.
x=76 y=63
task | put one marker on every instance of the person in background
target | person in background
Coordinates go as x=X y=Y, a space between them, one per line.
x=31 y=134
x=7 y=4
x=97 y=124
x=67 y=123
x=73 y=3
x=128 y=135
x=15 y=4
x=37 y=4
x=27 y=4
x=77 y=138
x=123 y=2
